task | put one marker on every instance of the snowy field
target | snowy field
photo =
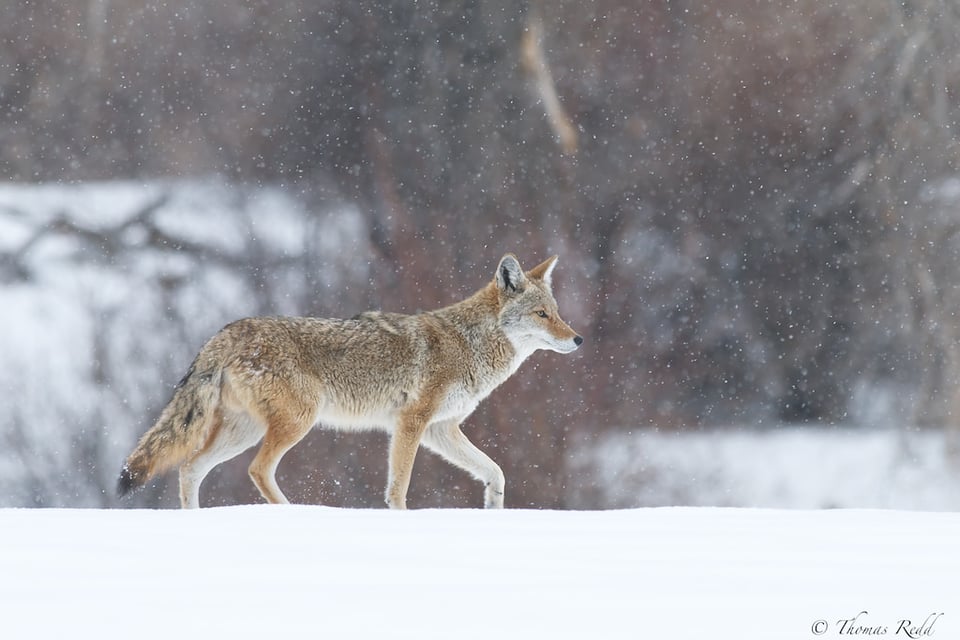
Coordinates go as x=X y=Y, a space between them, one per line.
x=316 y=572
x=783 y=467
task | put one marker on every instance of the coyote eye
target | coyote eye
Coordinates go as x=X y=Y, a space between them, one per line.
x=542 y=313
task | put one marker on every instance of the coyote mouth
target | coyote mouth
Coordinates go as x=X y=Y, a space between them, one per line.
x=567 y=347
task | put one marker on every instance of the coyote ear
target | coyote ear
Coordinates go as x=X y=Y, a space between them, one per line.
x=544 y=270
x=510 y=276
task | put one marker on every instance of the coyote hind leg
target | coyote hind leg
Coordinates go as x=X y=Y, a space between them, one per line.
x=230 y=435
x=447 y=440
x=283 y=433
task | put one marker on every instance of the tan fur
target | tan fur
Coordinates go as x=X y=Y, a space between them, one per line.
x=416 y=376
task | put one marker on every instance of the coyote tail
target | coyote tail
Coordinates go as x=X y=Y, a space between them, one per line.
x=180 y=430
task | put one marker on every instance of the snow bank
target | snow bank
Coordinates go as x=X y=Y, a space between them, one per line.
x=787 y=467
x=315 y=572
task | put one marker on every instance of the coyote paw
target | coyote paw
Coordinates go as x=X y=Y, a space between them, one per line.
x=492 y=497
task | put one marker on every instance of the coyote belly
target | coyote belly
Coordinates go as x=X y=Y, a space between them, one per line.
x=415 y=376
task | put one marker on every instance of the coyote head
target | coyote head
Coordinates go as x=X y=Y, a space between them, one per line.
x=528 y=310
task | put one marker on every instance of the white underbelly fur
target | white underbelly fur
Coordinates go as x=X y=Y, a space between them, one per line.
x=458 y=404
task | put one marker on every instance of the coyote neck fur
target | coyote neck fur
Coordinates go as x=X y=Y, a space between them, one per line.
x=491 y=356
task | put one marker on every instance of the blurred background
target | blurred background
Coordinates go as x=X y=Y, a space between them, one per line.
x=756 y=206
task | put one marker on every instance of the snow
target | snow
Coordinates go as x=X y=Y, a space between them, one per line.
x=301 y=571
x=784 y=467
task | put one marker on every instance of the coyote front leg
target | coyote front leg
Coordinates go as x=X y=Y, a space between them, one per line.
x=403 y=452
x=447 y=440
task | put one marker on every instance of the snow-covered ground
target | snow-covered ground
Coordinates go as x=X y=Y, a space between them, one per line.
x=316 y=572
x=784 y=467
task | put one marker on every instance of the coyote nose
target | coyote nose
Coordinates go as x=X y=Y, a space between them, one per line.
x=577 y=340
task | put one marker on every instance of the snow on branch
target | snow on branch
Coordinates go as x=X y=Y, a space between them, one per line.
x=137 y=231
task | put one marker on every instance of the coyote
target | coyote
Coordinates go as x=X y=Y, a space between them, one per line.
x=415 y=376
